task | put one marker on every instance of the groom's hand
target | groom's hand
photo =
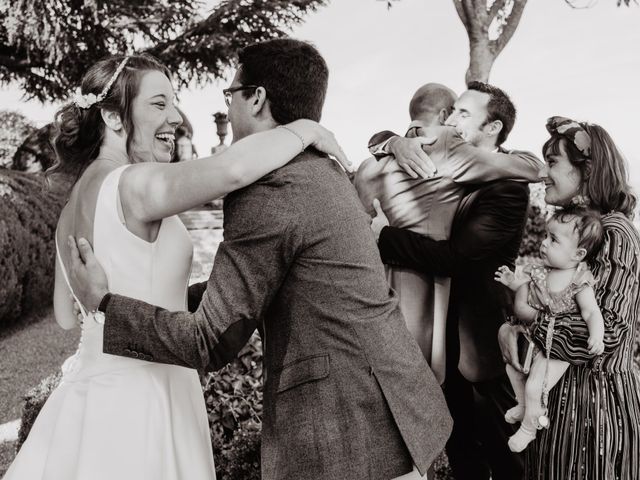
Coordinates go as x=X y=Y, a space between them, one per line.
x=87 y=278
x=411 y=157
x=379 y=221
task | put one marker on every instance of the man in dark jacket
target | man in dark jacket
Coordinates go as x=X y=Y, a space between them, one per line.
x=486 y=233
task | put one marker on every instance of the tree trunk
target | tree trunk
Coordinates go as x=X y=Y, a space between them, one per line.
x=480 y=62
x=477 y=17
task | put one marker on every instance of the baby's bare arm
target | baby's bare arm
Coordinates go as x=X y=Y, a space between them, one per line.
x=525 y=312
x=590 y=311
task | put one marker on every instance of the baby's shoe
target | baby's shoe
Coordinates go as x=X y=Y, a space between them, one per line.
x=519 y=440
x=514 y=414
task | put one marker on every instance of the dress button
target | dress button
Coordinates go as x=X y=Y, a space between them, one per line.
x=135 y=354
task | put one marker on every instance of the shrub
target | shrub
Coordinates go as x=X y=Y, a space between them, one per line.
x=234 y=403
x=33 y=401
x=35 y=153
x=534 y=231
x=14 y=128
x=241 y=457
x=28 y=218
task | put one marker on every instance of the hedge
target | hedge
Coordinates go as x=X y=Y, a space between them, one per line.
x=28 y=217
x=233 y=396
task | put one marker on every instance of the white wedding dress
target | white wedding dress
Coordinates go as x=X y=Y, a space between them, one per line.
x=117 y=418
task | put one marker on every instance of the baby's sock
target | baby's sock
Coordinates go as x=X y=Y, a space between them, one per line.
x=515 y=414
x=523 y=437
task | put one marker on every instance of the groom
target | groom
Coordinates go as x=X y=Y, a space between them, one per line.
x=348 y=393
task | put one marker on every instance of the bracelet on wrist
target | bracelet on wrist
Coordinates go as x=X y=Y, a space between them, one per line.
x=304 y=146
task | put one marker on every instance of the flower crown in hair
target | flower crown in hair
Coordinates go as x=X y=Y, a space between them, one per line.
x=572 y=131
x=87 y=100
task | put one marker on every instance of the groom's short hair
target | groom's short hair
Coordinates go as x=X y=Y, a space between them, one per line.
x=292 y=72
x=500 y=107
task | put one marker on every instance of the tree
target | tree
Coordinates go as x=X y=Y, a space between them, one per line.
x=14 y=128
x=490 y=24
x=47 y=45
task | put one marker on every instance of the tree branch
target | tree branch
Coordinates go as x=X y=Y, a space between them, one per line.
x=14 y=64
x=509 y=29
x=495 y=8
x=462 y=13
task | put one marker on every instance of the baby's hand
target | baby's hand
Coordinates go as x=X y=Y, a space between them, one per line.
x=505 y=277
x=513 y=280
x=596 y=341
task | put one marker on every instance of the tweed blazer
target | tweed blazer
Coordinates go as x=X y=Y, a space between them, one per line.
x=347 y=393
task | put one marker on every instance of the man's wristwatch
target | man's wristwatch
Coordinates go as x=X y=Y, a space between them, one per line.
x=98 y=315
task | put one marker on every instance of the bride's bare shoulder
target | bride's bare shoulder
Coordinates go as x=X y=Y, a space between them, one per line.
x=77 y=216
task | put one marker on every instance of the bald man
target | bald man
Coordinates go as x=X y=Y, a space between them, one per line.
x=427 y=205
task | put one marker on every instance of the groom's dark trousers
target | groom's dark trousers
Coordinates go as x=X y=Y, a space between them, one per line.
x=486 y=233
x=348 y=394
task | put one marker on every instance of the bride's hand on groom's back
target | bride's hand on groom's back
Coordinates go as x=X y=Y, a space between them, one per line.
x=87 y=278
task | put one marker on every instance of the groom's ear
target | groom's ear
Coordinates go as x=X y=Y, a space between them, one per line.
x=111 y=119
x=259 y=103
x=442 y=116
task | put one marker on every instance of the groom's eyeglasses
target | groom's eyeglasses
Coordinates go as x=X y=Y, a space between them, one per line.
x=228 y=92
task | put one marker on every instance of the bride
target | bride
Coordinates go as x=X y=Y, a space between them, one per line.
x=114 y=417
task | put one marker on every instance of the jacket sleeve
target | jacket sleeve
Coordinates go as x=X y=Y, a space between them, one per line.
x=616 y=293
x=494 y=218
x=250 y=265
x=401 y=247
x=378 y=143
x=468 y=164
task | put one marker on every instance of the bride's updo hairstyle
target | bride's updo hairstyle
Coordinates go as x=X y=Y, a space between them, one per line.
x=79 y=126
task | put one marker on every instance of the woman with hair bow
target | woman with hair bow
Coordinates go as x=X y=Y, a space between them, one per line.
x=594 y=410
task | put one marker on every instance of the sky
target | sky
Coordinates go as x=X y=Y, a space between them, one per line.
x=584 y=64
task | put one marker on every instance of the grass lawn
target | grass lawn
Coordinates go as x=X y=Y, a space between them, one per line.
x=7 y=451
x=30 y=352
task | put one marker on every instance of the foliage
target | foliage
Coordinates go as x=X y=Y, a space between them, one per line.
x=441 y=468
x=14 y=128
x=534 y=231
x=241 y=458
x=34 y=400
x=28 y=218
x=35 y=153
x=37 y=37
x=535 y=227
x=590 y=3
x=234 y=403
